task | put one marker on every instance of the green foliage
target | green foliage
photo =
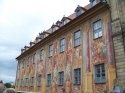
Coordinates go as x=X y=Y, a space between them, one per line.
x=7 y=85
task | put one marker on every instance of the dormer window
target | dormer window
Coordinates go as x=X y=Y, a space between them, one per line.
x=93 y=2
x=58 y=23
x=65 y=20
x=54 y=28
x=79 y=10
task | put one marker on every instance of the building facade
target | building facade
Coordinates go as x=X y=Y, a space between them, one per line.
x=76 y=55
x=118 y=36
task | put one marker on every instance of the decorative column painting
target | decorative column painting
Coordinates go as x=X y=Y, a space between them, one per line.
x=68 y=78
x=54 y=67
x=99 y=51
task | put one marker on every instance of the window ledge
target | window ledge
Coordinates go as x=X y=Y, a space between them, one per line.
x=76 y=46
x=97 y=38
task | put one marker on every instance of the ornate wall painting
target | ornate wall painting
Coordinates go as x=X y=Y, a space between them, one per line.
x=77 y=89
x=77 y=59
x=61 y=61
x=54 y=62
x=99 y=51
x=55 y=75
x=68 y=87
x=54 y=87
x=49 y=65
x=101 y=88
x=55 y=55
x=69 y=49
x=41 y=69
x=69 y=54
x=36 y=68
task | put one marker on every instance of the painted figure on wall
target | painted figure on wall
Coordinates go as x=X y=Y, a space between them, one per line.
x=61 y=61
x=68 y=63
x=69 y=49
x=77 y=59
x=55 y=56
x=99 y=51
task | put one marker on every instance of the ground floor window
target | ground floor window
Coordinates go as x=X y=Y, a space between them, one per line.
x=100 y=73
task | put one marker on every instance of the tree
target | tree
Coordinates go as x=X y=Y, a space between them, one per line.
x=7 y=85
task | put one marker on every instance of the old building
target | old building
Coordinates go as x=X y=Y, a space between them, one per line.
x=76 y=54
x=118 y=35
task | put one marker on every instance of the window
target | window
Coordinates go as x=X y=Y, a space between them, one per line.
x=100 y=73
x=78 y=12
x=26 y=82
x=39 y=81
x=34 y=58
x=65 y=22
x=61 y=78
x=48 y=79
x=53 y=29
x=28 y=61
x=77 y=76
x=62 y=45
x=22 y=64
x=32 y=81
x=97 y=29
x=42 y=54
x=21 y=82
x=94 y=2
x=77 y=38
x=50 y=50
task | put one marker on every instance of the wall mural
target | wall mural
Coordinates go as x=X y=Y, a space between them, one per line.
x=68 y=63
x=99 y=51
x=61 y=61
x=55 y=56
x=77 y=58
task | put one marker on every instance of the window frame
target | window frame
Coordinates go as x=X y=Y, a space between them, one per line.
x=32 y=82
x=21 y=83
x=61 y=78
x=98 y=30
x=39 y=80
x=49 y=78
x=28 y=61
x=62 y=45
x=42 y=54
x=50 y=50
x=77 y=38
x=26 y=82
x=77 y=75
x=101 y=68
x=34 y=58
x=94 y=2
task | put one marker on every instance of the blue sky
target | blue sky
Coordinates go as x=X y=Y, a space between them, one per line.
x=20 y=23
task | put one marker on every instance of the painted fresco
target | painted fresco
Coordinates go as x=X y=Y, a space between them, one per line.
x=99 y=51
x=77 y=89
x=100 y=88
x=61 y=61
x=49 y=65
x=77 y=58
x=68 y=63
x=55 y=56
